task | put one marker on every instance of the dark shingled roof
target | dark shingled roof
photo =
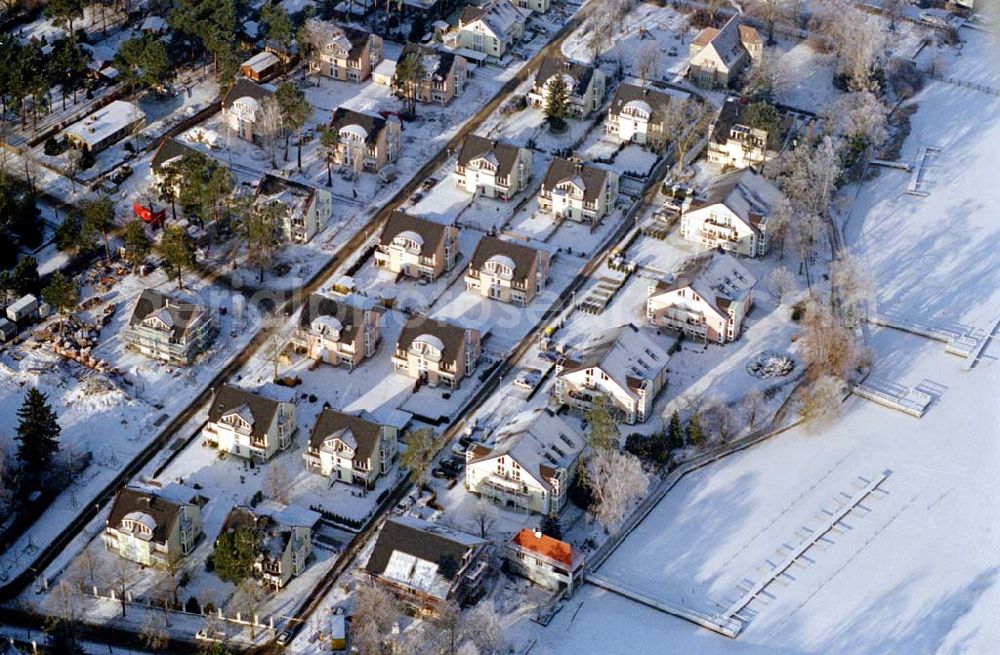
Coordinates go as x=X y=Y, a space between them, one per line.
x=244 y=88
x=427 y=541
x=358 y=38
x=626 y=93
x=169 y=149
x=271 y=184
x=130 y=499
x=366 y=433
x=732 y=111
x=445 y=59
x=451 y=335
x=181 y=312
x=475 y=147
x=524 y=257
x=272 y=536
x=563 y=170
x=432 y=233
x=372 y=124
x=262 y=409
x=580 y=73
x=350 y=316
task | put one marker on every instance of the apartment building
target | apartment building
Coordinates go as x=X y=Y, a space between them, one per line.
x=169 y=329
x=435 y=352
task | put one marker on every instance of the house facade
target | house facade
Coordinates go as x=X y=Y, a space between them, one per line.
x=344 y=53
x=302 y=209
x=338 y=332
x=577 y=191
x=491 y=29
x=427 y=565
x=169 y=329
x=491 y=168
x=718 y=55
x=105 y=127
x=153 y=528
x=283 y=540
x=638 y=115
x=528 y=465
x=241 y=108
x=707 y=299
x=623 y=364
x=546 y=561
x=416 y=247
x=732 y=213
x=537 y=6
x=507 y=271
x=445 y=73
x=585 y=84
x=351 y=448
x=435 y=352
x=249 y=425
x=367 y=142
x=732 y=143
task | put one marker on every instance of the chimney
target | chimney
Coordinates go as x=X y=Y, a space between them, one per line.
x=538 y=533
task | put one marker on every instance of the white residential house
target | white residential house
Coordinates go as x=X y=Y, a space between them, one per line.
x=718 y=56
x=351 y=448
x=624 y=364
x=586 y=85
x=169 y=329
x=638 y=115
x=250 y=424
x=707 y=299
x=343 y=52
x=491 y=168
x=241 y=108
x=338 y=331
x=283 y=539
x=507 y=271
x=537 y=6
x=546 y=561
x=417 y=247
x=529 y=463
x=304 y=209
x=436 y=352
x=492 y=28
x=732 y=213
x=577 y=191
x=154 y=527
x=734 y=143
x=366 y=142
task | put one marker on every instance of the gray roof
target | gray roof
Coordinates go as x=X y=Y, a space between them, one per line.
x=445 y=61
x=580 y=73
x=231 y=398
x=245 y=88
x=180 y=312
x=524 y=257
x=332 y=423
x=427 y=541
x=590 y=177
x=504 y=154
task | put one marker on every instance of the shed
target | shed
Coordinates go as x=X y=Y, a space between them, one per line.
x=7 y=330
x=22 y=309
x=338 y=632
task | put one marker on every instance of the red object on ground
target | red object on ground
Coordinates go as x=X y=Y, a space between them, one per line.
x=148 y=214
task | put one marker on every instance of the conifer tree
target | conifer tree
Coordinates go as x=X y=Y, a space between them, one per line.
x=694 y=431
x=37 y=434
x=675 y=433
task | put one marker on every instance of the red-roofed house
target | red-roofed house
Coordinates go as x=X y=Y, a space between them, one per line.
x=544 y=560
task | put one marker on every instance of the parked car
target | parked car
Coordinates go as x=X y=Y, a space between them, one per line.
x=453 y=464
x=284 y=637
x=528 y=378
x=442 y=474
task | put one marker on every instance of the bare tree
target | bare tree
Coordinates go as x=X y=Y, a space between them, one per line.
x=376 y=614
x=721 y=416
x=484 y=517
x=826 y=346
x=484 y=629
x=768 y=77
x=771 y=12
x=247 y=600
x=859 y=117
x=821 y=400
x=268 y=126
x=277 y=483
x=154 y=636
x=63 y=602
x=647 y=61
x=857 y=39
x=894 y=9
x=851 y=282
x=122 y=575
x=808 y=175
x=685 y=121
x=753 y=402
x=616 y=481
x=780 y=282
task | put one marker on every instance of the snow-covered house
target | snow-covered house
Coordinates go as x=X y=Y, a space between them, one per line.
x=345 y=53
x=492 y=28
x=507 y=271
x=585 y=85
x=241 y=108
x=249 y=424
x=638 y=114
x=351 y=448
x=717 y=56
x=491 y=168
x=732 y=213
x=445 y=73
x=338 y=331
x=168 y=152
x=624 y=364
x=546 y=561
x=578 y=191
x=426 y=565
x=416 y=247
x=708 y=298
x=732 y=142
x=366 y=141
x=435 y=352
x=537 y=6
x=282 y=539
x=105 y=127
x=154 y=527
x=261 y=67
x=304 y=209
x=168 y=329
x=529 y=466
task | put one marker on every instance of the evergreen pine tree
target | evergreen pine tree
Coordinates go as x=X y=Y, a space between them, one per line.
x=551 y=526
x=37 y=433
x=63 y=637
x=557 y=101
x=602 y=433
x=675 y=433
x=694 y=432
